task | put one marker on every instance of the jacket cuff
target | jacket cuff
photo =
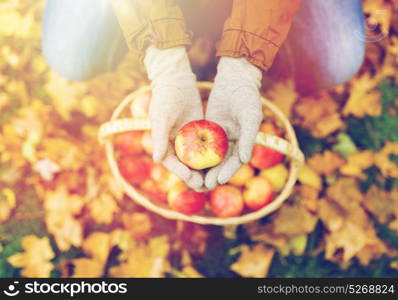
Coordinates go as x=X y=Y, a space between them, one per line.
x=256 y=49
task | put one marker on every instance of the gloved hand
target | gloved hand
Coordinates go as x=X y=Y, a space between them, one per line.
x=235 y=104
x=175 y=102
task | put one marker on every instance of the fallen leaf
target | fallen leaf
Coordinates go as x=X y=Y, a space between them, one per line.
x=253 y=261
x=357 y=163
x=326 y=163
x=35 y=260
x=382 y=160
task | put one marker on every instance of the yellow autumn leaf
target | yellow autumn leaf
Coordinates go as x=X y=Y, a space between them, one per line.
x=66 y=229
x=97 y=245
x=253 y=262
x=35 y=260
x=357 y=163
x=326 y=163
x=283 y=94
x=383 y=160
x=87 y=268
x=363 y=100
x=102 y=208
x=7 y=204
x=145 y=260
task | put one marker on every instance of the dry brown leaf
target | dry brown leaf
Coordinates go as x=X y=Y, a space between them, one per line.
x=294 y=220
x=380 y=204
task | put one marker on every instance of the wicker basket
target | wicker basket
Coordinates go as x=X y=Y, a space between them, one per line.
x=288 y=147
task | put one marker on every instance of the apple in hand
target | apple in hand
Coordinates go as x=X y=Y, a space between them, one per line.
x=258 y=193
x=226 y=201
x=201 y=144
x=134 y=168
x=185 y=200
x=129 y=142
x=264 y=157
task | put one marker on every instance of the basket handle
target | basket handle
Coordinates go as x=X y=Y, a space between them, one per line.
x=127 y=124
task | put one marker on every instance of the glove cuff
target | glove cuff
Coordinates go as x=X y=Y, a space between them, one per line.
x=238 y=71
x=169 y=67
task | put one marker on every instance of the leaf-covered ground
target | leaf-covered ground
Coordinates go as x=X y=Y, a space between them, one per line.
x=62 y=214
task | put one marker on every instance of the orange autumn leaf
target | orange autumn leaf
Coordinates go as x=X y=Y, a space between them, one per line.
x=98 y=245
x=363 y=100
x=380 y=204
x=138 y=224
x=35 y=260
x=253 y=261
x=318 y=114
x=87 y=268
x=283 y=95
x=326 y=163
x=380 y=12
x=102 y=208
x=144 y=260
x=382 y=160
x=357 y=163
x=66 y=229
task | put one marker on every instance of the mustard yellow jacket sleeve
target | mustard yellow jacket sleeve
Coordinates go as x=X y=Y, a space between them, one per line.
x=256 y=29
x=158 y=22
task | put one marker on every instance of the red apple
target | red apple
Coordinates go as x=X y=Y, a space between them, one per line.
x=258 y=193
x=129 y=142
x=151 y=188
x=140 y=106
x=226 y=201
x=201 y=144
x=134 y=168
x=264 y=157
x=185 y=200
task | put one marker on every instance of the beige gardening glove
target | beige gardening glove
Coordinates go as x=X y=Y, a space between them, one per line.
x=235 y=104
x=175 y=102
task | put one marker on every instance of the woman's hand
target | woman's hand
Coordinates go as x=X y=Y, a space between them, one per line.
x=235 y=104
x=175 y=102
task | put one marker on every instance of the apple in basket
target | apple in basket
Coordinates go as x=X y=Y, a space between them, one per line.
x=134 y=168
x=201 y=144
x=129 y=142
x=264 y=157
x=226 y=201
x=258 y=193
x=185 y=200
